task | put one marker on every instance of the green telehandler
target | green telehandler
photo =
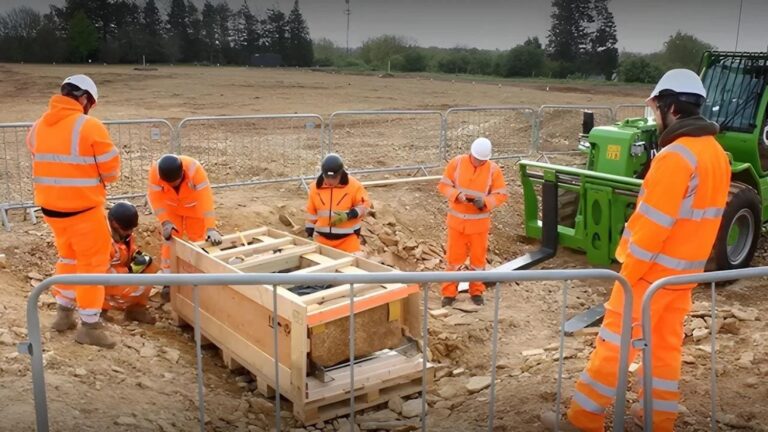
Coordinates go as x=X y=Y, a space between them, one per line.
x=594 y=202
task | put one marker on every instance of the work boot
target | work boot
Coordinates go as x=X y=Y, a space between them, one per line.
x=65 y=319
x=139 y=313
x=448 y=301
x=94 y=334
x=478 y=300
x=551 y=422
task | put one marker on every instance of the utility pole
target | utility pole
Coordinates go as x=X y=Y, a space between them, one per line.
x=738 y=26
x=347 y=12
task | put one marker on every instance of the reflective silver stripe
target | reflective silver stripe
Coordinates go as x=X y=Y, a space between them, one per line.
x=60 y=181
x=469 y=216
x=458 y=169
x=324 y=213
x=446 y=180
x=500 y=191
x=155 y=187
x=89 y=311
x=666 y=385
x=74 y=149
x=209 y=214
x=68 y=292
x=666 y=260
x=655 y=215
x=202 y=185
x=309 y=225
x=600 y=388
x=106 y=156
x=160 y=210
x=67 y=261
x=609 y=336
x=361 y=210
x=682 y=151
x=141 y=290
x=587 y=403
x=110 y=174
x=192 y=204
x=664 y=406
x=627 y=233
x=699 y=214
x=490 y=176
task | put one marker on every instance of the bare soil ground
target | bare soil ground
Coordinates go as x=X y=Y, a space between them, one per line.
x=148 y=382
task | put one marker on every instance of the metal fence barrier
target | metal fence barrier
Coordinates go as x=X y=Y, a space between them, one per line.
x=626 y=111
x=646 y=342
x=33 y=347
x=387 y=141
x=254 y=149
x=512 y=129
x=139 y=141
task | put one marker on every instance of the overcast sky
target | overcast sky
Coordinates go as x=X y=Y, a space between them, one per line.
x=643 y=25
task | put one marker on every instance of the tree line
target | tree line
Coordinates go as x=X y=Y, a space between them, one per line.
x=124 y=31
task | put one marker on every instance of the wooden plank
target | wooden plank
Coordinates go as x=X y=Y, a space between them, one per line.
x=249 y=355
x=191 y=260
x=414 y=315
x=276 y=262
x=253 y=249
x=232 y=239
x=374 y=183
x=370 y=301
x=338 y=291
x=328 y=267
x=321 y=259
x=299 y=349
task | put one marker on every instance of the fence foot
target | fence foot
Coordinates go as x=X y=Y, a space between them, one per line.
x=4 y=216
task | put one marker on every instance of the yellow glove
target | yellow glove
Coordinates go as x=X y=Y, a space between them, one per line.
x=339 y=218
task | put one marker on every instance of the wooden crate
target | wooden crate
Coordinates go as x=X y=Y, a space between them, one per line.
x=313 y=338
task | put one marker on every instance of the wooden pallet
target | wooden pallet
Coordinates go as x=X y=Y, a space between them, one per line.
x=313 y=329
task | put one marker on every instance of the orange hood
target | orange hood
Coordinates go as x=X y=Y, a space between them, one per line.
x=60 y=108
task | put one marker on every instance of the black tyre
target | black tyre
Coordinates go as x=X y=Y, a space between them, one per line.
x=739 y=232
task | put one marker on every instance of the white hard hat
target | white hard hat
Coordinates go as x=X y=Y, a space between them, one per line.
x=481 y=149
x=85 y=83
x=680 y=81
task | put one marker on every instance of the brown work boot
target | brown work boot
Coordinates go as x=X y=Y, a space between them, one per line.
x=551 y=422
x=65 y=319
x=94 y=334
x=139 y=313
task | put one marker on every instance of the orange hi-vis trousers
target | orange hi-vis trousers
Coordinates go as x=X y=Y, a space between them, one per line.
x=84 y=244
x=459 y=246
x=596 y=387
x=122 y=296
x=193 y=228
x=350 y=243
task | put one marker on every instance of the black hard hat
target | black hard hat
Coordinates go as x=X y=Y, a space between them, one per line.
x=332 y=165
x=170 y=168
x=125 y=215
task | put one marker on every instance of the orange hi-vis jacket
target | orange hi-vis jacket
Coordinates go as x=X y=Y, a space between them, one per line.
x=324 y=200
x=194 y=198
x=122 y=255
x=73 y=158
x=681 y=203
x=485 y=181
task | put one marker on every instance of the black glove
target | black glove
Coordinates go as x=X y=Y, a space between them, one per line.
x=310 y=232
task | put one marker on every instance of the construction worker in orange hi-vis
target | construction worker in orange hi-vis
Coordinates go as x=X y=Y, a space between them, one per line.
x=474 y=186
x=182 y=200
x=336 y=204
x=73 y=161
x=671 y=232
x=127 y=258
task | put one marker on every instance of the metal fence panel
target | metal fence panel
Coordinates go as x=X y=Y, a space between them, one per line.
x=139 y=141
x=646 y=342
x=254 y=149
x=375 y=141
x=511 y=129
x=33 y=347
x=626 y=111
x=559 y=126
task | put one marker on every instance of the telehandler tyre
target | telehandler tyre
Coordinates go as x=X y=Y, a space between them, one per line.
x=740 y=227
